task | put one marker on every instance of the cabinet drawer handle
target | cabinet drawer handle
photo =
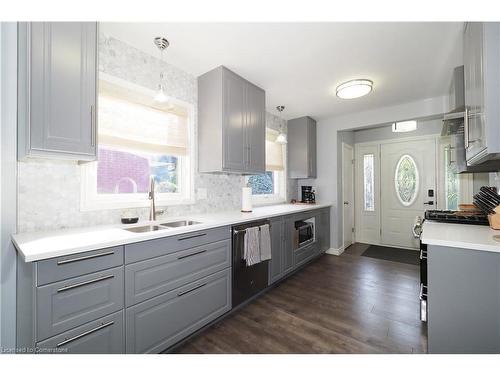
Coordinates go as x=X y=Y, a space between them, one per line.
x=66 y=261
x=193 y=254
x=64 y=288
x=104 y=325
x=189 y=237
x=191 y=290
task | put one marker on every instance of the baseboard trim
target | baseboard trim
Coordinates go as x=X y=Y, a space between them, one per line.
x=333 y=251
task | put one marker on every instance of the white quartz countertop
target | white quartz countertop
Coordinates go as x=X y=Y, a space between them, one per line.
x=465 y=236
x=43 y=245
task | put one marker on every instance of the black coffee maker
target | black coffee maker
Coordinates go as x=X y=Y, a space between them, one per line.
x=308 y=195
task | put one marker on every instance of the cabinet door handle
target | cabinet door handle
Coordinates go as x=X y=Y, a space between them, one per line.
x=193 y=254
x=64 y=288
x=466 y=128
x=72 y=260
x=191 y=290
x=67 y=341
x=92 y=126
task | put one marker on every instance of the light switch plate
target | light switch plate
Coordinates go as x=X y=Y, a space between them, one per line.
x=201 y=193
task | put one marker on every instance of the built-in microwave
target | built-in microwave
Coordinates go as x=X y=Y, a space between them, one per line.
x=304 y=233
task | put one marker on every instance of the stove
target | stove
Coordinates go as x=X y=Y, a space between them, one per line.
x=457 y=217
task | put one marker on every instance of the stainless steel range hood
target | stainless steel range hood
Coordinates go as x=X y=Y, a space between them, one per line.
x=453 y=121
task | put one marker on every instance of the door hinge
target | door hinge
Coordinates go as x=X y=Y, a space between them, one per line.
x=352 y=161
x=352 y=230
x=380 y=231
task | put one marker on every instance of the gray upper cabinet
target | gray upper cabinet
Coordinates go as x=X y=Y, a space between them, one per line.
x=482 y=91
x=302 y=147
x=57 y=90
x=231 y=124
x=256 y=129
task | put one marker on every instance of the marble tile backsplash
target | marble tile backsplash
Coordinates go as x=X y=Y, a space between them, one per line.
x=49 y=190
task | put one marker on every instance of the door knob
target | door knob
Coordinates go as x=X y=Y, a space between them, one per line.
x=430 y=203
x=346 y=203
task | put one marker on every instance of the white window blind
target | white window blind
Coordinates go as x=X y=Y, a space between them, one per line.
x=274 y=152
x=133 y=121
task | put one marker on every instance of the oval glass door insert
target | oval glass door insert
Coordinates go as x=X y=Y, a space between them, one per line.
x=406 y=180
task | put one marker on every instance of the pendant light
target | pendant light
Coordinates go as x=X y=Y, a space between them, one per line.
x=281 y=138
x=162 y=44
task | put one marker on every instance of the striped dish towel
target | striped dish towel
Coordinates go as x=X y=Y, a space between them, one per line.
x=251 y=250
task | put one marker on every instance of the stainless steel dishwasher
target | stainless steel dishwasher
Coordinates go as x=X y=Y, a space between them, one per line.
x=247 y=280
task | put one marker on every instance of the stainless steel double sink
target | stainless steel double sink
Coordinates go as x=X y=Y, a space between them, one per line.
x=162 y=226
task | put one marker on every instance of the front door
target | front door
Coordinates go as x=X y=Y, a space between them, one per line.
x=408 y=188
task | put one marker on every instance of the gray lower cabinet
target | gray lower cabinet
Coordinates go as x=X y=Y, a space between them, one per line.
x=152 y=277
x=102 y=336
x=61 y=268
x=67 y=304
x=305 y=254
x=277 y=249
x=154 y=325
x=323 y=229
x=162 y=246
x=57 y=109
x=288 y=252
x=302 y=147
x=231 y=123
x=463 y=300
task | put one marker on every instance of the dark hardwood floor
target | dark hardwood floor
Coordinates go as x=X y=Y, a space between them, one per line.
x=337 y=304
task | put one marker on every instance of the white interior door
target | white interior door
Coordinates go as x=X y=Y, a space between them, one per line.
x=408 y=185
x=348 y=193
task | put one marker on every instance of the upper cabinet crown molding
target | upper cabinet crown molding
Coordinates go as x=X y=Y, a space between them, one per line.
x=302 y=147
x=57 y=90
x=231 y=124
x=482 y=91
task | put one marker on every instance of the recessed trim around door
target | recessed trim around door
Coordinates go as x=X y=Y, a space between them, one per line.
x=347 y=203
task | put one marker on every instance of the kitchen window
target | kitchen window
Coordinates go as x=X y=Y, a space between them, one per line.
x=270 y=187
x=138 y=138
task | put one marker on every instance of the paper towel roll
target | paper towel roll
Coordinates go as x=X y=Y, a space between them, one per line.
x=246 y=199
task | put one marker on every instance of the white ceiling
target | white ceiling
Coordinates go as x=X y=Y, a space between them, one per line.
x=300 y=64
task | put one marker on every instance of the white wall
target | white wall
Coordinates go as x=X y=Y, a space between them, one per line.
x=8 y=129
x=329 y=181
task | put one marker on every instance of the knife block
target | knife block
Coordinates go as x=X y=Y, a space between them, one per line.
x=494 y=219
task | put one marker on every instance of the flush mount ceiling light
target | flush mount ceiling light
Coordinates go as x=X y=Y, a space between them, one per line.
x=404 y=126
x=162 y=44
x=355 y=88
x=281 y=138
